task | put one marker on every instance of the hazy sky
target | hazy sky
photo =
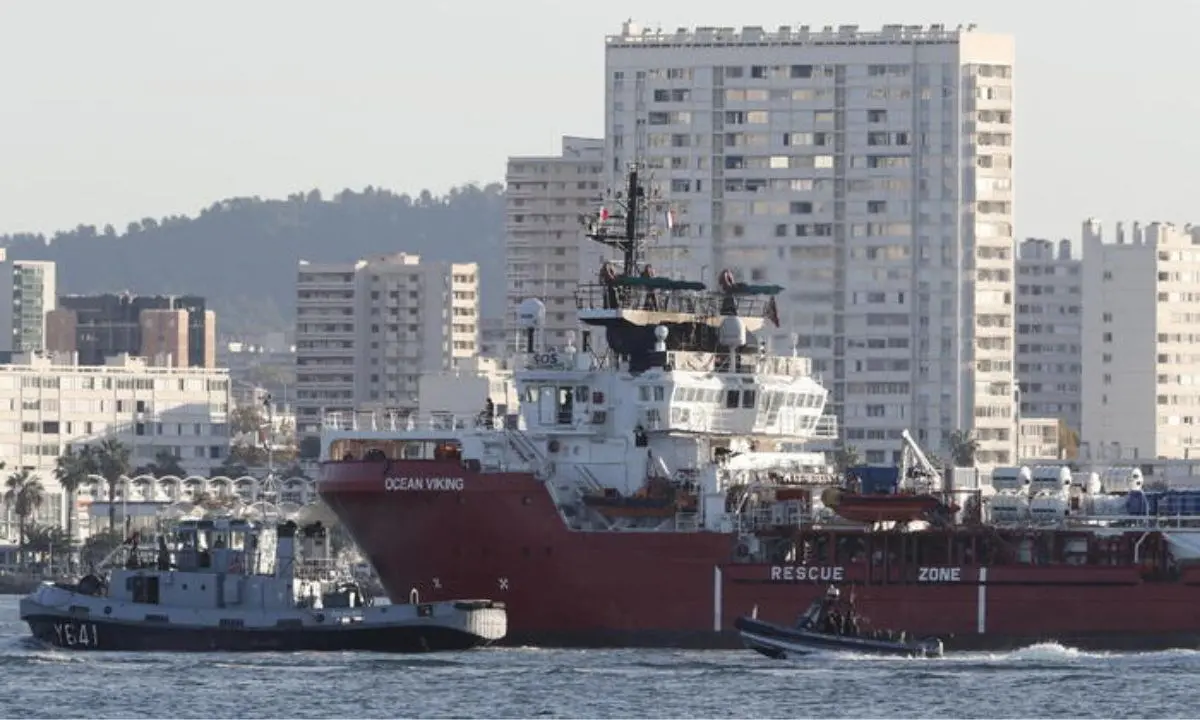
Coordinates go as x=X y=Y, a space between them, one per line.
x=119 y=110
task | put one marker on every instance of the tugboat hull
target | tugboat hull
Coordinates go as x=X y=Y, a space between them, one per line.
x=80 y=622
x=85 y=634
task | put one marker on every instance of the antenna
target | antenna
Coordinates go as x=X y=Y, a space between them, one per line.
x=631 y=204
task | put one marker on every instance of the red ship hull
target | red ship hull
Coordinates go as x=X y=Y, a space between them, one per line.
x=442 y=532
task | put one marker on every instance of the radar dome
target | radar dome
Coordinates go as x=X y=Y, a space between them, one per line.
x=531 y=313
x=733 y=332
x=660 y=338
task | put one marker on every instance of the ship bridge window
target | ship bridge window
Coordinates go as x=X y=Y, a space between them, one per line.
x=581 y=394
x=748 y=398
x=644 y=393
x=143 y=589
x=660 y=393
x=430 y=450
x=731 y=398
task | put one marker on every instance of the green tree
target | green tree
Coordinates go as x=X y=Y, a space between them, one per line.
x=24 y=495
x=845 y=457
x=99 y=546
x=1068 y=441
x=165 y=463
x=310 y=447
x=73 y=471
x=257 y=292
x=112 y=462
x=962 y=446
x=47 y=543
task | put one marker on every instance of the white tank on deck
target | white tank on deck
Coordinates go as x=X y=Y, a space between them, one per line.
x=1050 y=478
x=1121 y=479
x=1012 y=479
x=1008 y=507
x=1048 y=508
x=1106 y=505
x=1091 y=483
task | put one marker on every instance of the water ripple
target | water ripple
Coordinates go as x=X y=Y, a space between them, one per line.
x=1045 y=680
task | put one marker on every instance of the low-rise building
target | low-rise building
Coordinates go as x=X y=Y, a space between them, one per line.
x=50 y=403
x=1038 y=439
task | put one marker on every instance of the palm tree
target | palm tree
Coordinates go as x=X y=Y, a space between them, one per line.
x=47 y=542
x=165 y=463
x=25 y=495
x=962 y=446
x=73 y=470
x=112 y=461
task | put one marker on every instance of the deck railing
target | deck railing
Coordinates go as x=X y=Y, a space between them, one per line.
x=400 y=421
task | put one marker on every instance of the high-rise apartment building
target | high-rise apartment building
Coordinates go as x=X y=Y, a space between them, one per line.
x=366 y=331
x=176 y=331
x=27 y=293
x=544 y=198
x=1049 y=323
x=1141 y=391
x=870 y=174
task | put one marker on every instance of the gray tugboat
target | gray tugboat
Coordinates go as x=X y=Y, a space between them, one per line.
x=826 y=627
x=230 y=584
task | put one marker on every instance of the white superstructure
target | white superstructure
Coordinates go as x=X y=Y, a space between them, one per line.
x=870 y=174
x=365 y=331
x=544 y=196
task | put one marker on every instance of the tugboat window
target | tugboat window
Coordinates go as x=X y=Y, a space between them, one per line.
x=144 y=589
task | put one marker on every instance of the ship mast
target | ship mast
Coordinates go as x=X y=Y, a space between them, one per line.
x=630 y=206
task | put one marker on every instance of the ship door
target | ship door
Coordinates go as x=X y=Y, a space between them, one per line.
x=547 y=404
x=566 y=406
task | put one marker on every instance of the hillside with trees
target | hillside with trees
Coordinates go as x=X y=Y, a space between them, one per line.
x=241 y=253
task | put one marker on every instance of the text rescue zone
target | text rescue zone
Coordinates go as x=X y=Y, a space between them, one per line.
x=816 y=573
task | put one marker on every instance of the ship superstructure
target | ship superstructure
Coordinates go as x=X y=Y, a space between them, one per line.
x=650 y=491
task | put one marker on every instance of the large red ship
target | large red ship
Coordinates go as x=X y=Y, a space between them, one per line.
x=650 y=493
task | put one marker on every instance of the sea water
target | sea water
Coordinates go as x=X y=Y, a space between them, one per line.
x=1040 y=681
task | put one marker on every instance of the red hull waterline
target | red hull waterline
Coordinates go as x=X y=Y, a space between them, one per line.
x=443 y=532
